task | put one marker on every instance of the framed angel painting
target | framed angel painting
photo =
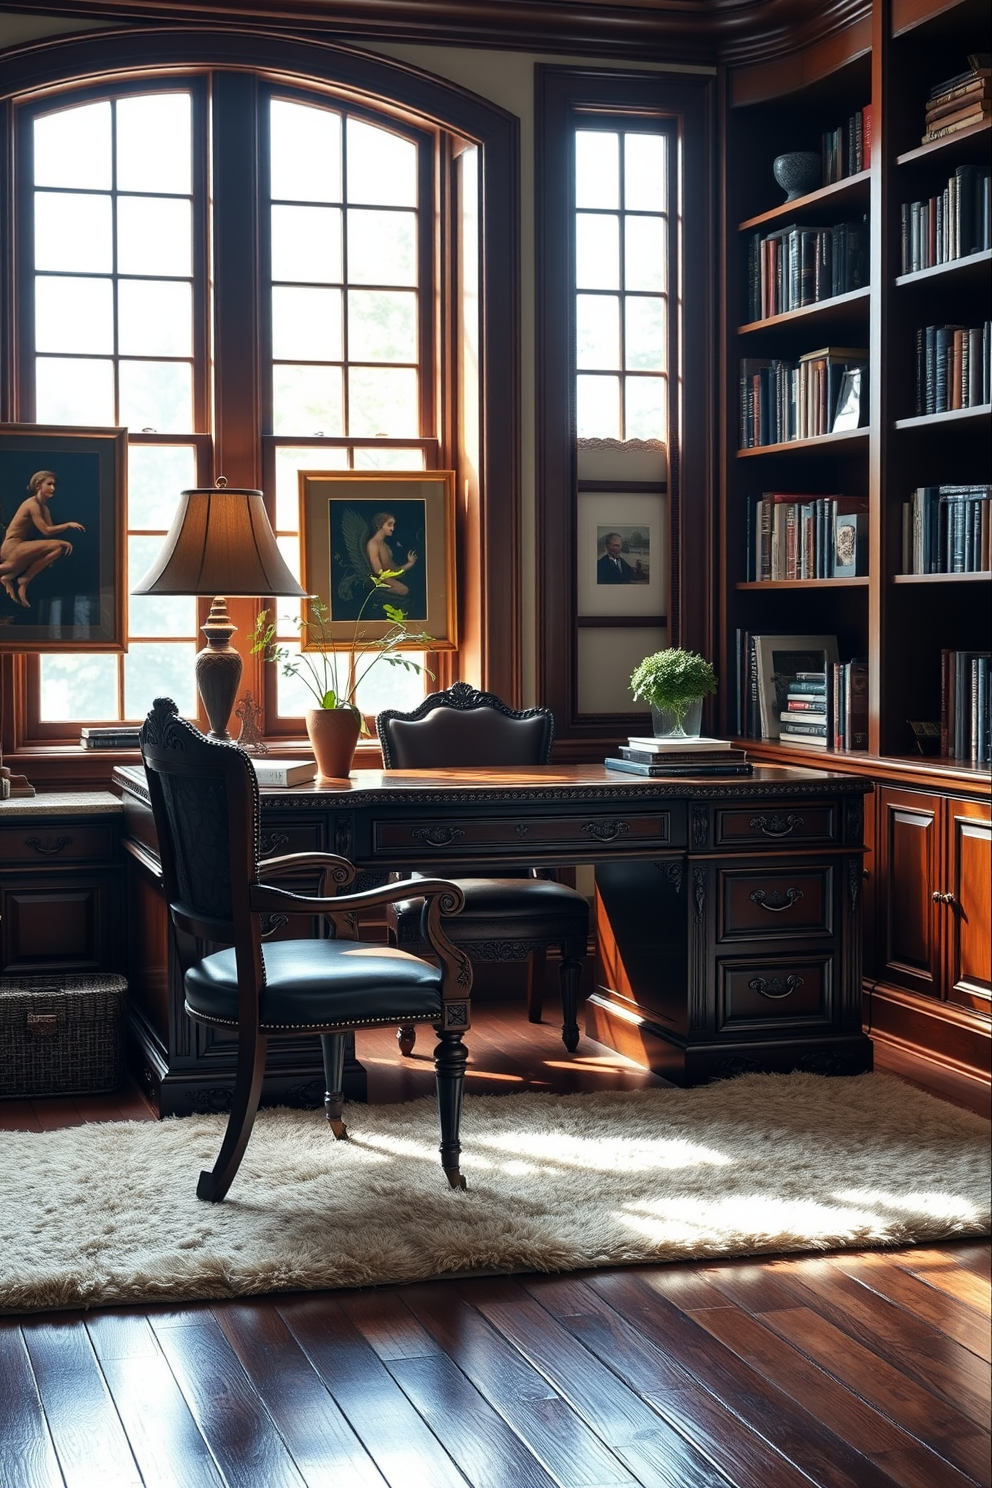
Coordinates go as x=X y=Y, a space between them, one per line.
x=355 y=524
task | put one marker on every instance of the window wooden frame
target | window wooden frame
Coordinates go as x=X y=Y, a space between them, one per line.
x=683 y=105
x=489 y=479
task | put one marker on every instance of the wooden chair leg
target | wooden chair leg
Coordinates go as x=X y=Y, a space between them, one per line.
x=535 y=984
x=213 y=1186
x=449 y=1071
x=569 y=978
x=333 y=1047
x=406 y=1037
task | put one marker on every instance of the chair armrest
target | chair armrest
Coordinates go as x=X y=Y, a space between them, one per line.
x=339 y=870
x=263 y=898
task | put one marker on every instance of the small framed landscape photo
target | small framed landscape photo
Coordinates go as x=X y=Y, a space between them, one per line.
x=354 y=524
x=63 y=576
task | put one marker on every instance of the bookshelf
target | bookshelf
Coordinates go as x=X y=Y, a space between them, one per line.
x=930 y=819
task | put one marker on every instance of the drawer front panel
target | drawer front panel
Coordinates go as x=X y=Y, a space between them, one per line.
x=803 y=823
x=780 y=994
x=769 y=904
x=492 y=837
x=49 y=842
x=279 y=839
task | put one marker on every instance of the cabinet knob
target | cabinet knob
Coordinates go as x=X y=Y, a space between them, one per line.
x=939 y=898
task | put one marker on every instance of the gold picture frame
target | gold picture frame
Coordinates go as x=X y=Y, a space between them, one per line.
x=63 y=553
x=353 y=520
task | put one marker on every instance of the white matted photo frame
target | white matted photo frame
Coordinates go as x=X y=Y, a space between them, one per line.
x=63 y=555
x=633 y=580
x=356 y=522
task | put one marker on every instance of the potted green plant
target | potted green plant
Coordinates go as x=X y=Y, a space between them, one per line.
x=336 y=723
x=674 y=683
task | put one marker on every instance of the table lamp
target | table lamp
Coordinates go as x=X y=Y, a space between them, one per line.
x=220 y=544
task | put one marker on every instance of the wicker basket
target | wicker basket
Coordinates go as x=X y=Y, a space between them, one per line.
x=61 y=1035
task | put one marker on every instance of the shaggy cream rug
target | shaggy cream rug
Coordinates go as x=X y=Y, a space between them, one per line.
x=107 y=1213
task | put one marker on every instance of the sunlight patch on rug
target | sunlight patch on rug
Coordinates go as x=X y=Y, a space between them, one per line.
x=756 y=1165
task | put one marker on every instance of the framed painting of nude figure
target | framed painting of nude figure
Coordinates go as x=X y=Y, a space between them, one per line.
x=63 y=576
x=358 y=523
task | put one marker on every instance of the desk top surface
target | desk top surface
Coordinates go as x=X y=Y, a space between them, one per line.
x=553 y=782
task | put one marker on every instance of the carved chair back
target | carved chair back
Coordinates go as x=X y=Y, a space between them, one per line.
x=462 y=728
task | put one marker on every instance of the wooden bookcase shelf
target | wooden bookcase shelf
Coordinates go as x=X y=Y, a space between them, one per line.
x=929 y=826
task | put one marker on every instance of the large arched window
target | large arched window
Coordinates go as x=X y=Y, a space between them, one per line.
x=255 y=274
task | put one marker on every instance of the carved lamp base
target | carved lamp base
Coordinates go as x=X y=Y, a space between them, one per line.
x=218 y=670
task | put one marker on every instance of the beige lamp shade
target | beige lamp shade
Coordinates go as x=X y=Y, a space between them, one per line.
x=220 y=543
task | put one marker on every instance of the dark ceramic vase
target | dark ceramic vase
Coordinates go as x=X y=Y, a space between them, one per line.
x=798 y=172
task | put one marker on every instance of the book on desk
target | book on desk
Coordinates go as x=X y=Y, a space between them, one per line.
x=678 y=757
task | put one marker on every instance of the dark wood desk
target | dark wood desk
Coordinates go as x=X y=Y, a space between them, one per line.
x=727 y=910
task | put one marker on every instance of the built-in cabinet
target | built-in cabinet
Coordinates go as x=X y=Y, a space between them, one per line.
x=928 y=978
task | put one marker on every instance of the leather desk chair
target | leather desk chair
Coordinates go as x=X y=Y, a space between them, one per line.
x=204 y=797
x=505 y=918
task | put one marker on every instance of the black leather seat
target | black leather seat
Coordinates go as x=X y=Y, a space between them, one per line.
x=505 y=918
x=204 y=796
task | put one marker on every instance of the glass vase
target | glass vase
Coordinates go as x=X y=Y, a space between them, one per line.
x=668 y=725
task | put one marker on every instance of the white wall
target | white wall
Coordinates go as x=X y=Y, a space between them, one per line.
x=505 y=78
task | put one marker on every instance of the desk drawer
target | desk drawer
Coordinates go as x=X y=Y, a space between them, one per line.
x=47 y=841
x=801 y=824
x=774 y=994
x=494 y=837
x=773 y=904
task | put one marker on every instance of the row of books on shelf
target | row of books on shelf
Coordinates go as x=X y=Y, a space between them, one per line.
x=946 y=529
x=795 y=689
x=847 y=148
x=949 y=226
x=823 y=392
x=953 y=367
x=806 y=537
x=673 y=757
x=959 y=102
x=796 y=266
x=964 y=706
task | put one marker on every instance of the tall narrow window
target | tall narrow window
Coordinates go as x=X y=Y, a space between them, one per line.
x=621 y=284
x=114 y=303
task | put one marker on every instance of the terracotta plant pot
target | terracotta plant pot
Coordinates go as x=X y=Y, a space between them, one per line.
x=333 y=735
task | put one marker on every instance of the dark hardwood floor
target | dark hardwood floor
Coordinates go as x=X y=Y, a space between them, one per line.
x=855 y=1370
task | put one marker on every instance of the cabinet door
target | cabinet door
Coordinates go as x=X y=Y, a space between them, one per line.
x=65 y=923
x=908 y=850
x=967 y=915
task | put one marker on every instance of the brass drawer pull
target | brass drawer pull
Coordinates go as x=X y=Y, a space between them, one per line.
x=775 y=902
x=606 y=831
x=437 y=836
x=47 y=848
x=775 y=986
x=775 y=826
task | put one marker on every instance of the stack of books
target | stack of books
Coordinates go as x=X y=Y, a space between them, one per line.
x=947 y=529
x=965 y=684
x=828 y=709
x=960 y=101
x=949 y=226
x=846 y=150
x=824 y=392
x=953 y=367
x=806 y=537
x=675 y=757
x=796 y=266
x=114 y=736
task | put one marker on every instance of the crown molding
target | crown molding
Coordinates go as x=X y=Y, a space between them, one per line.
x=731 y=32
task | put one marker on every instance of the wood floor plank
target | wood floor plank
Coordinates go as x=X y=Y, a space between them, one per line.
x=406 y=1452
x=650 y=1447
x=909 y=1346
x=387 y=1326
x=911 y=1464
x=161 y=1431
x=945 y=1275
x=572 y=1454
x=947 y=1314
x=27 y=1454
x=920 y=1412
x=18 y=1115
x=739 y=1453
x=89 y=1439
x=476 y=1437
x=795 y=1431
x=975 y=1257
x=235 y=1425
x=323 y=1445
